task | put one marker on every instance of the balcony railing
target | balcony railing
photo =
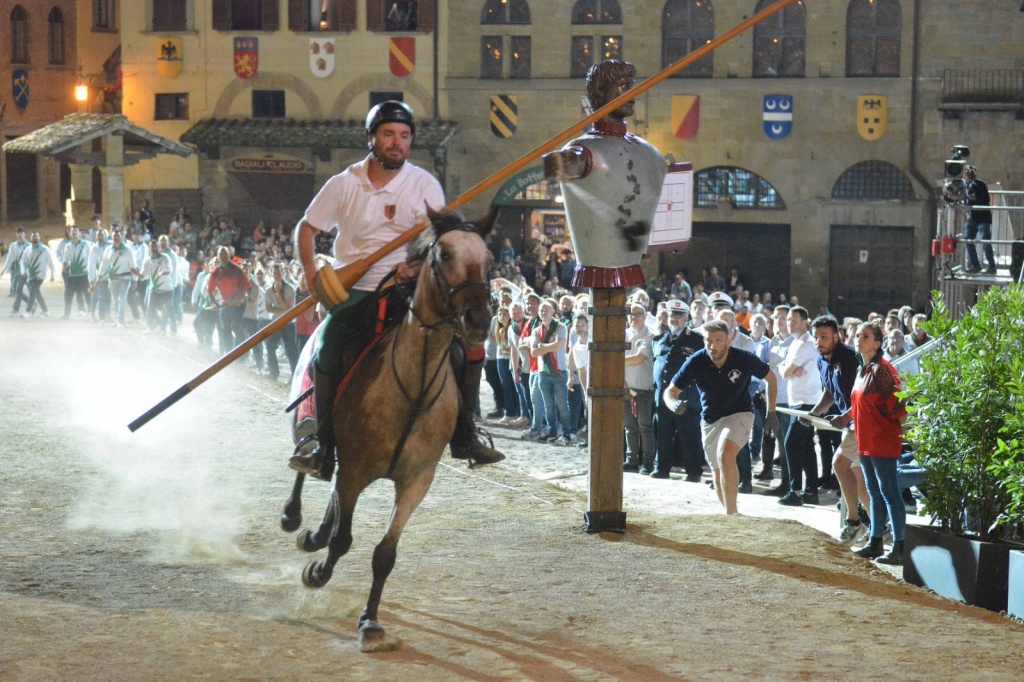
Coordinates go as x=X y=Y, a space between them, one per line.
x=983 y=86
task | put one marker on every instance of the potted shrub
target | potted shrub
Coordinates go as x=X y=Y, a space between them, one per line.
x=967 y=426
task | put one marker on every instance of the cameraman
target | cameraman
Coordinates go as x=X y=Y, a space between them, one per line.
x=979 y=224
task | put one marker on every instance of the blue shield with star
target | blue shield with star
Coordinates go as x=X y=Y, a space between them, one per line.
x=19 y=87
x=777 y=116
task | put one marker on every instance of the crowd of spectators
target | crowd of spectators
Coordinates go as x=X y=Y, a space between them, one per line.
x=235 y=283
x=536 y=360
x=150 y=272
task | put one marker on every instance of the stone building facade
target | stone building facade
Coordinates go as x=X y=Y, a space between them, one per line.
x=844 y=219
x=803 y=201
x=39 y=62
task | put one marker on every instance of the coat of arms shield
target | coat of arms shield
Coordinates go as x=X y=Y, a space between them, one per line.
x=321 y=56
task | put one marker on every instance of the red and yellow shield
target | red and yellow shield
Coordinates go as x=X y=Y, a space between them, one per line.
x=389 y=211
x=247 y=57
x=685 y=116
x=402 y=56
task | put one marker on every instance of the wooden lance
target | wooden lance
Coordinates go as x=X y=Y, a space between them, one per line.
x=353 y=272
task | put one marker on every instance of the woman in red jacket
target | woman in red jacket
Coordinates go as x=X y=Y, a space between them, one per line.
x=878 y=417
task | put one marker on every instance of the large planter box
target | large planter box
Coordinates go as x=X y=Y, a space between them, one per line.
x=958 y=567
x=1015 y=593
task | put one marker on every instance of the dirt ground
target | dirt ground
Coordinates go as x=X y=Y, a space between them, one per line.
x=157 y=555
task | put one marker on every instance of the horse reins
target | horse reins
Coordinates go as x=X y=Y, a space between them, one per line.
x=420 y=401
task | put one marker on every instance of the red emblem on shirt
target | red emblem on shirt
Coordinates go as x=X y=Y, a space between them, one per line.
x=389 y=211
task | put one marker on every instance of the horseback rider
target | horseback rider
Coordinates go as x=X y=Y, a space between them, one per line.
x=370 y=203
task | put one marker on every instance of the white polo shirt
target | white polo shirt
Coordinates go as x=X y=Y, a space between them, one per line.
x=368 y=218
x=805 y=389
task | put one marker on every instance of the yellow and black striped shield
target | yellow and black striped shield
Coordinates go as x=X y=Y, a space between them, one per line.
x=504 y=115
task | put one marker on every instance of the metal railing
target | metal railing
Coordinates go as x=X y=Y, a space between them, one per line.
x=983 y=85
x=1007 y=211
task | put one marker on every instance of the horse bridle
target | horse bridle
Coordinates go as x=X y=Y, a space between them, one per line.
x=447 y=292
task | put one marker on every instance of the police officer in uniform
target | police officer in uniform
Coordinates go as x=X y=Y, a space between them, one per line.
x=678 y=434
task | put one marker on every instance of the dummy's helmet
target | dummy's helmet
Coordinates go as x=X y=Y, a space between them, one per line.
x=390 y=111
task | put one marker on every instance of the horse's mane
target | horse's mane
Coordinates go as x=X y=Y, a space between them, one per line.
x=441 y=223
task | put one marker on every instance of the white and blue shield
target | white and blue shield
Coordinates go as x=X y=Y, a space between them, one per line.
x=778 y=116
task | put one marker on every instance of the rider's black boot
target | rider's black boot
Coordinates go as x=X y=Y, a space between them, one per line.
x=320 y=463
x=466 y=443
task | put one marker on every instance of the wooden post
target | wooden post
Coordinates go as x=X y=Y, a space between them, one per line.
x=606 y=388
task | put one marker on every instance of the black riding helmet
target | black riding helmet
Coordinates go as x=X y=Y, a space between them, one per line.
x=390 y=111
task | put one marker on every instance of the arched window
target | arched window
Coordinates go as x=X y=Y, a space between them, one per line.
x=873 y=180
x=685 y=26
x=597 y=12
x=56 y=23
x=738 y=186
x=780 y=42
x=586 y=49
x=505 y=12
x=494 y=48
x=873 y=38
x=19 y=36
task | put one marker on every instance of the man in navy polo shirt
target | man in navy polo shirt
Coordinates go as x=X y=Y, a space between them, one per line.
x=838 y=366
x=723 y=375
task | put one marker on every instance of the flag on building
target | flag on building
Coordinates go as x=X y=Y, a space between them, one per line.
x=321 y=56
x=169 y=56
x=777 y=116
x=247 y=57
x=685 y=115
x=871 y=115
x=19 y=87
x=112 y=70
x=504 y=115
x=402 y=56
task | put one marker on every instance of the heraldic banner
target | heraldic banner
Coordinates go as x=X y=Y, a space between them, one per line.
x=247 y=57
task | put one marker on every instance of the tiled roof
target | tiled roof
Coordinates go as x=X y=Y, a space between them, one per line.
x=212 y=133
x=76 y=129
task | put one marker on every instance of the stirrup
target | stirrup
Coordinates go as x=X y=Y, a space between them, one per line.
x=312 y=464
x=475 y=452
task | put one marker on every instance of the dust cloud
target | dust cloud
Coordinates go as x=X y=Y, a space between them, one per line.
x=163 y=480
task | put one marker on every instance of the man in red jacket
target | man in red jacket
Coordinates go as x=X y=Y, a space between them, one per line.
x=228 y=286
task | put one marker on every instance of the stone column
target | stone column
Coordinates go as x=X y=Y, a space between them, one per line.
x=81 y=206
x=112 y=175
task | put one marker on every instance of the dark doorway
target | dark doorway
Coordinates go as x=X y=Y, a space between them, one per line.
x=870 y=269
x=22 y=187
x=275 y=198
x=761 y=251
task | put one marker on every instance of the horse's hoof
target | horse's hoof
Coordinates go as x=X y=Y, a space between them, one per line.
x=304 y=542
x=290 y=524
x=312 y=577
x=372 y=638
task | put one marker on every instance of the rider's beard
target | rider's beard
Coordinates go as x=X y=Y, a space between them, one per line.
x=388 y=164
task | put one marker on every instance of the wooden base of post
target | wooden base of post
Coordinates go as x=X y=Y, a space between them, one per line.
x=607 y=380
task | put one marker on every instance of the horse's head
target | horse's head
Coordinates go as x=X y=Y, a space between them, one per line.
x=453 y=280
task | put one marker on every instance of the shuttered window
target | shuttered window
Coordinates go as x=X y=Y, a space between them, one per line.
x=245 y=15
x=322 y=15
x=400 y=15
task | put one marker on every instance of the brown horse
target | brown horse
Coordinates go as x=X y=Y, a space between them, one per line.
x=398 y=410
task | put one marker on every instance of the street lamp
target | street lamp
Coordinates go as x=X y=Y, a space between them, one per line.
x=82 y=93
